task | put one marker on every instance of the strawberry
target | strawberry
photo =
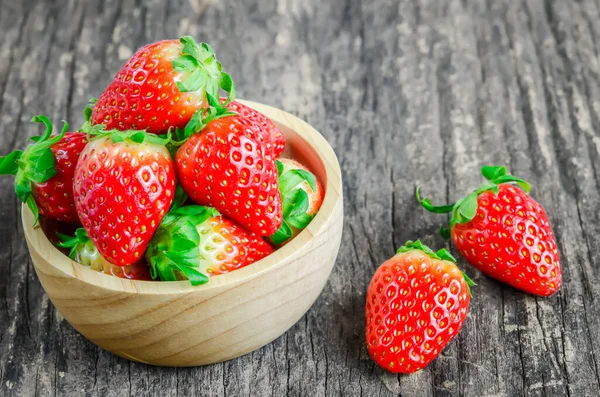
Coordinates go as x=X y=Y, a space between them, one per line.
x=505 y=233
x=195 y=242
x=277 y=137
x=302 y=196
x=161 y=86
x=82 y=250
x=124 y=185
x=44 y=172
x=416 y=303
x=226 y=163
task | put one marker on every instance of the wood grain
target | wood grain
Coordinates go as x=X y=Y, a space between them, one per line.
x=407 y=92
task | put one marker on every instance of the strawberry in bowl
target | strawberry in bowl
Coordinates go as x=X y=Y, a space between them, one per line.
x=177 y=192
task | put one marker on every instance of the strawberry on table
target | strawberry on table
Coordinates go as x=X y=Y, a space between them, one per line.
x=277 y=137
x=302 y=196
x=194 y=242
x=161 y=87
x=44 y=172
x=83 y=250
x=124 y=185
x=416 y=303
x=505 y=233
x=226 y=163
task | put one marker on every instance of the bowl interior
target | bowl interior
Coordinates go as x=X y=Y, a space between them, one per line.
x=304 y=144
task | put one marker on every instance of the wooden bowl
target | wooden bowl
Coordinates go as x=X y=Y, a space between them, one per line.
x=176 y=324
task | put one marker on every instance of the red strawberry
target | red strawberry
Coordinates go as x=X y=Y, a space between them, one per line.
x=277 y=137
x=302 y=196
x=83 y=251
x=124 y=185
x=194 y=242
x=228 y=165
x=161 y=86
x=416 y=303
x=505 y=233
x=44 y=172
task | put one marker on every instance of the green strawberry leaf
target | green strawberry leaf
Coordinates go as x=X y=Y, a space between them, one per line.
x=203 y=70
x=491 y=172
x=22 y=187
x=308 y=177
x=468 y=208
x=9 y=164
x=300 y=221
x=295 y=203
x=204 y=116
x=34 y=208
x=465 y=209
x=509 y=178
x=40 y=165
x=88 y=110
x=438 y=209
x=194 y=82
x=185 y=63
x=292 y=178
x=280 y=167
x=195 y=277
x=282 y=234
x=73 y=242
x=174 y=248
x=226 y=84
x=442 y=254
x=180 y=197
x=445 y=232
x=469 y=283
x=445 y=255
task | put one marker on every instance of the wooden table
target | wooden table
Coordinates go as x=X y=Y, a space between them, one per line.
x=407 y=92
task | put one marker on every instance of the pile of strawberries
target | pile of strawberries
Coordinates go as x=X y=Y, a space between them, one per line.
x=418 y=300
x=169 y=180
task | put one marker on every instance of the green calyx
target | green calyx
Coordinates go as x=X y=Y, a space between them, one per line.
x=465 y=209
x=132 y=136
x=202 y=70
x=72 y=243
x=174 y=249
x=201 y=118
x=295 y=201
x=442 y=255
x=35 y=164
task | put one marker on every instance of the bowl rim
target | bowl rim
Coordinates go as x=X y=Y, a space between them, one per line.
x=68 y=268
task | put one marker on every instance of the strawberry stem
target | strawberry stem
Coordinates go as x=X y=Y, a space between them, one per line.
x=72 y=243
x=174 y=250
x=442 y=254
x=36 y=164
x=201 y=70
x=465 y=209
x=202 y=117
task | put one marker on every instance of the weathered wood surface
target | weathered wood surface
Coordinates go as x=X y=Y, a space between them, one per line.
x=409 y=91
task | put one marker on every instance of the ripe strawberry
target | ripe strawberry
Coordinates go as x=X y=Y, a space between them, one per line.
x=302 y=196
x=82 y=250
x=194 y=242
x=44 y=172
x=124 y=185
x=505 y=233
x=161 y=86
x=277 y=137
x=226 y=163
x=416 y=303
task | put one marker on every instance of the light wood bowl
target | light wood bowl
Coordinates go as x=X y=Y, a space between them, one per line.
x=176 y=324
